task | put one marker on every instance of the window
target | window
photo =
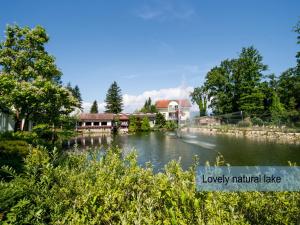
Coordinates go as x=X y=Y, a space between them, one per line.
x=88 y=123
x=103 y=123
x=96 y=123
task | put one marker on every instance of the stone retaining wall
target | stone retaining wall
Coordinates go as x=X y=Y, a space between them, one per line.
x=267 y=135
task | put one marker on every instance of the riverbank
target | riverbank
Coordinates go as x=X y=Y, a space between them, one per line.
x=261 y=134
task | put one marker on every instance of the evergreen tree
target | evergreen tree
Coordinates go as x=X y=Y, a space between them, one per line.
x=76 y=93
x=114 y=100
x=94 y=108
x=148 y=107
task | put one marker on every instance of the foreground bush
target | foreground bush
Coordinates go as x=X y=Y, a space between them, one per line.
x=89 y=189
x=12 y=154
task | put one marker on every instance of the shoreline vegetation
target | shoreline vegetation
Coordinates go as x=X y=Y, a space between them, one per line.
x=81 y=188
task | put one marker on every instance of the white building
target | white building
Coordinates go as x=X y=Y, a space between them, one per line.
x=177 y=110
x=6 y=122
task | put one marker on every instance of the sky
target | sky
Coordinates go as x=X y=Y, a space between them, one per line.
x=161 y=48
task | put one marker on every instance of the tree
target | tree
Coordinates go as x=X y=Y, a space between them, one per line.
x=220 y=87
x=235 y=84
x=297 y=30
x=76 y=93
x=148 y=107
x=114 y=100
x=277 y=110
x=145 y=126
x=31 y=80
x=248 y=72
x=199 y=96
x=160 y=120
x=133 y=127
x=94 y=108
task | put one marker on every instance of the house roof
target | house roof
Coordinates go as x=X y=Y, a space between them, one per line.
x=165 y=103
x=96 y=116
x=123 y=117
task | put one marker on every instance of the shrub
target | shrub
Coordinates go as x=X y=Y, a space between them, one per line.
x=171 y=125
x=12 y=154
x=81 y=189
x=257 y=121
x=245 y=123
x=145 y=125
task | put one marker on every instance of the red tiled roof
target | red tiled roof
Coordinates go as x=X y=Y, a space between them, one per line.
x=123 y=117
x=165 y=103
x=96 y=116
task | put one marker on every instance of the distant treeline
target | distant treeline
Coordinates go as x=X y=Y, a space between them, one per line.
x=240 y=84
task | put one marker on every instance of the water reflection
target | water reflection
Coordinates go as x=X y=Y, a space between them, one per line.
x=160 y=148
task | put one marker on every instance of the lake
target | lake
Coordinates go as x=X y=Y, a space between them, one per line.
x=159 y=148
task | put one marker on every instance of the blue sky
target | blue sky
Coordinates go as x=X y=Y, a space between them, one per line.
x=155 y=48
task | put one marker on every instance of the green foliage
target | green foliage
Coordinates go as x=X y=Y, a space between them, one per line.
x=199 y=96
x=76 y=93
x=148 y=107
x=277 y=110
x=12 y=154
x=30 y=84
x=145 y=125
x=133 y=126
x=83 y=189
x=114 y=100
x=257 y=121
x=94 y=108
x=160 y=120
x=234 y=85
x=171 y=125
x=245 y=123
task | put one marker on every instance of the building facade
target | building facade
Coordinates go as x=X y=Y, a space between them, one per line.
x=6 y=122
x=95 y=121
x=176 y=110
x=106 y=122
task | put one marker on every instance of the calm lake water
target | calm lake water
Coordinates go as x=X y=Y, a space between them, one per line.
x=160 y=148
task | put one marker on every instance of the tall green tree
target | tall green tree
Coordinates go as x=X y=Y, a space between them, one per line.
x=114 y=100
x=220 y=88
x=148 y=107
x=28 y=76
x=199 y=96
x=94 y=108
x=248 y=71
x=76 y=93
x=235 y=84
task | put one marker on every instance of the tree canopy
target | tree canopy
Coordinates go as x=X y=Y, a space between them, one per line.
x=114 y=99
x=148 y=107
x=94 y=108
x=30 y=80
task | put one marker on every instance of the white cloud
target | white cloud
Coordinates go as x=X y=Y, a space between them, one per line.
x=133 y=102
x=165 y=10
x=130 y=76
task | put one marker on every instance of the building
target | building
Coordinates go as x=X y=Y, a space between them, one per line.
x=6 y=122
x=96 y=121
x=105 y=122
x=176 y=110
